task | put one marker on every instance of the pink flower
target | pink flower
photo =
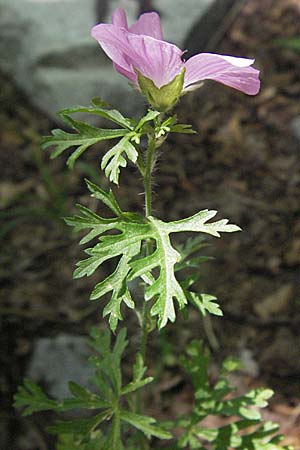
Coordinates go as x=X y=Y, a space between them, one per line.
x=141 y=49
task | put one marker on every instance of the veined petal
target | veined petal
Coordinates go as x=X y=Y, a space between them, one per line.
x=149 y=25
x=126 y=73
x=231 y=71
x=119 y=18
x=159 y=60
x=155 y=59
x=113 y=41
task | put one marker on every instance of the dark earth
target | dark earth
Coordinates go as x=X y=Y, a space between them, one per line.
x=244 y=162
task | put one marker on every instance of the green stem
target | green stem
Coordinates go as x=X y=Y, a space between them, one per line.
x=144 y=334
x=148 y=174
x=150 y=159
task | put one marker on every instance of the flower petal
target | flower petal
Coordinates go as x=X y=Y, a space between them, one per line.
x=148 y=24
x=155 y=59
x=160 y=61
x=119 y=18
x=231 y=71
x=114 y=43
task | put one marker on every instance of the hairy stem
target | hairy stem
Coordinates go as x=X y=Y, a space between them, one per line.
x=150 y=161
x=148 y=210
x=148 y=173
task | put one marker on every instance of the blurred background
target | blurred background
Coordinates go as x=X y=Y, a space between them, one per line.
x=244 y=162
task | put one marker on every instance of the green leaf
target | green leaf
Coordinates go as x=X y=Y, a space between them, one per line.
x=108 y=364
x=85 y=136
x=87 y=219
x=126 y=245
x=151 y=115
x=139 y=368
x=229 y=365
x=145 y=424
x=240 y=405
x=78 y=426
x=110 y=246
x=114 y=159
x=246 y=432
x=107 y=198
x=196 y=364
x=198 y=223
x=116 y=283
x=132 y=232
x=98 y=108
x=83 y=433
x=33 y=399
x=205 y=303
x=135 y=385
x=82 y=398
x=182 y=128
x=162 y=129
x=165 y=287
x=138 y=372
x=75 y=442
x=191 y=245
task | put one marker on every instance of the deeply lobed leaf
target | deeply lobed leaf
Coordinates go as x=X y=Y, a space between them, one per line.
x=246 y=431
x=86 y=136
x=108 y=404
x=114 y=158
x=130 y=131
x=127 y=245
x=100 y=108
x=33 y=399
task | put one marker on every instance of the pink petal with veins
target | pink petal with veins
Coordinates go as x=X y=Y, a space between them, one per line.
x=231 y=71
x=159 y=60
x=141 y=47
x=113 y=41
x=148 y=24
x=119 y=18
x=155 y=59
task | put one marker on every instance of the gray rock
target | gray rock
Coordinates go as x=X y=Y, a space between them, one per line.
x=179 y=17
x=56 y=361
x=45 y=45
x=248 y=362
x=295 y=127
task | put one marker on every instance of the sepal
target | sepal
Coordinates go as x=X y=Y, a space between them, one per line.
x=164 y=98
